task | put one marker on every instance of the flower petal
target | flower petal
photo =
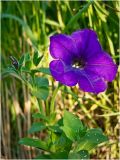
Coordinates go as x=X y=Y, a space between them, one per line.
x=103 y=65
x=56 y=69
x=90 y=82
x=62 y=73
x=62 y=47
x=87 y=42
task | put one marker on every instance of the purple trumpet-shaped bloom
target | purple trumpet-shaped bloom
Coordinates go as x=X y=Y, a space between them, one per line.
x=79 y=58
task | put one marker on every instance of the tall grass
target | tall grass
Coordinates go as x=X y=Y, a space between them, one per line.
x=26 y=27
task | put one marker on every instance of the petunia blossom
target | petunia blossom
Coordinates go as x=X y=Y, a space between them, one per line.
x=80 y=59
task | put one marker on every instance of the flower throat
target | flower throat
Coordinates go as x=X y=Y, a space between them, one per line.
x=78 y=63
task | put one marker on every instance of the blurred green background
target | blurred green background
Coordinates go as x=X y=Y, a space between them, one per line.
x=26 y=26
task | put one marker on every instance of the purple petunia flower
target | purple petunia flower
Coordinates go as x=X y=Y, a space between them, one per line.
x=79 y=58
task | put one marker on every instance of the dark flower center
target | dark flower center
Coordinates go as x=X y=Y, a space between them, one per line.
x=78 y=63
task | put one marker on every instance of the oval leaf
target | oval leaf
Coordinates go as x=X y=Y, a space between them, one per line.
x=34 y=143
x=36 y=127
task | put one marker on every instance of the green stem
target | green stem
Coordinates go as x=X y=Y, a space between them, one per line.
x=52 y=104
x=40 y=106
x=47 y=108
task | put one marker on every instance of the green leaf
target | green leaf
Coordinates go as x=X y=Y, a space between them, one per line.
x=42 y=70
x=40 y=88
x=72 y=121
x=43 y=156
x=27 y=57
x=41 y=92
x=60 y=122
x=41 y=82
x=36 y=59
x=69 y=133
x=37 y=143
x=60 y=142
x=83 y=154
x=40 y=116
x=73 y=127
x=55 y=129
x=21 y=61
x=28 y=62
x=92 y=138
x=59 y=155
x=10 y=71
x=25 y=69
x=36 y=127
